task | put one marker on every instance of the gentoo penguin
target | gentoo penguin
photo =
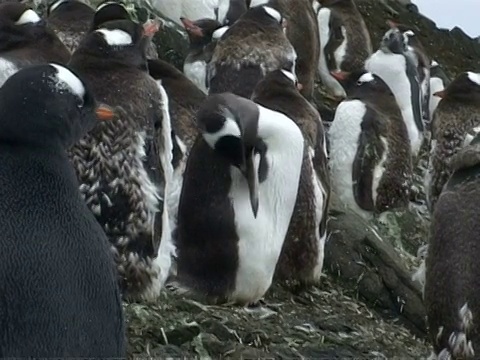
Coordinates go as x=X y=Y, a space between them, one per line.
x=438 y=81
x=71 y=20
x=370 y=157
x=254 y=45
x=124 y=167
x=59 y=295
x=345 y=41
x=397 y=69
x=184 y=100
x=456 y=122
x=417 y=52
x=109 y=10
x=303 y=251
x=302 y=32
x=25 y=40
x=231 y=220
x=226 y=12
x=200 y=36
x=452 y=268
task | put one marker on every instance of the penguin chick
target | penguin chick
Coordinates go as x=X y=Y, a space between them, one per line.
x=58 y=290
x=26 y=40
x=397 y=69
x=71 y=20
x=457 y=115
x=202 y=43
x=255 y=45
x=238 y=195
x=370 y=157
x=452 y=260
x=125 y=166
x=303 y=251
x=344 y=39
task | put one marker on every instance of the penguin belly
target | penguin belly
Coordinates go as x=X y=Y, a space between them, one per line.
x=436 y=84
x=392 y=69
x=196 y=71
x=328 y=80
x=7 y=69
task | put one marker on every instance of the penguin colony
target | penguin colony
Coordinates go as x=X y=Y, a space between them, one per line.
x=216 y=180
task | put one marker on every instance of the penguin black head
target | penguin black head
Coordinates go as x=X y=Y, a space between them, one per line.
x=229 y=125
x=283 y=78
x=266 y=15
x=394 y=40
x=69 y=6
x=200 y=32
x=47 y=105
x=360 y=83
x=109 y=10
x=465 y=87
x=230 y=11
x=123 y=41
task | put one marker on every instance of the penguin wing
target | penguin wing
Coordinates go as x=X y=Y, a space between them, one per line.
x=370 y=150
x=320 y=165
x=416 y=94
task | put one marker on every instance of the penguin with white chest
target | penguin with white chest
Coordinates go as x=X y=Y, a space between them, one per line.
x=370 y=157
x=125 y=167
x=238 y=196
x=255 y=45
x=26 y=40
x=303 y=251
x=58 y=291
x=392 y=64
x=345 y=41
x=438 y=82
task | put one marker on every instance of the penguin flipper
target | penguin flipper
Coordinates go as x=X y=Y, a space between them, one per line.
x=369 y=150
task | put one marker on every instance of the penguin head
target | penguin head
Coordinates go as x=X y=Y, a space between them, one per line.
x=229 y=126
x=394 y=41
x=283 y=78
x=107 y=11
x=229 y=11
x=60 y=6
x=361 y=82
x=267 y=15
x=409 y=36
x=465 y=87
x=48 y=105
x=200 y=32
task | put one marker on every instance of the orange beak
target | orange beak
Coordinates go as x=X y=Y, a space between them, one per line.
x=340 y=75
x=104 y=112
x=191 y=28
x=151 y=27
x=441 y=94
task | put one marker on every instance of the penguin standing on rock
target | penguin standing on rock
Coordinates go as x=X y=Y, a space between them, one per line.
x=25 y=40
x=370 y=157
x=452 y=268
x=58 y=291
x=438 y=82
x=345 y=41
x=71 y=20
x=397 y=69
x=125 y=166
x=303 y=251
x=255 y=45
x=231 y=220
x=456 y=123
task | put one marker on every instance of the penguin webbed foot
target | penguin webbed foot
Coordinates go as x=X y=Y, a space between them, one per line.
x=260 y=309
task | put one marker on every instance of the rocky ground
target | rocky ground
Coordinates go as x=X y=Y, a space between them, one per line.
x=366 y=305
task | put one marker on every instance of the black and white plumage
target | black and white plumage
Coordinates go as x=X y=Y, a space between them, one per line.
x=239 y=191
x=394 y=66
x=125 y=167
x=303 y=251
x=438 y=82
x=370 y=157
x=26 y=40
x=58 y=291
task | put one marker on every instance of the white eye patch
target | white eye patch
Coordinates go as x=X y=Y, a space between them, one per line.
x=434 y=63
x=254 y=3
x=273 y=13
x=116 y=37
x=217 y=34
x=474 y=77
x=367 y=77
x=409 y=33
x=55 y=5
x=65 y=79
x=107 y=3
x=289 y=75
x=29 y=16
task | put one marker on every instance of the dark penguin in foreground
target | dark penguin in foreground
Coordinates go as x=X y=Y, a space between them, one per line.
x=344 y=38
x=438 y=82
x=452 y=267
x=302 y=32
x=255 y=45
x=202 y=43
x=58 y=290
x=456 y=122
x=231 y=220
x=25 y=40
x=370 y=158
x=124 y=167
x=394 y=66
x=71 y=20
x=303 y=251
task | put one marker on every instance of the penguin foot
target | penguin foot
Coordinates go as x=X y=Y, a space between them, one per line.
x=260 y=310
